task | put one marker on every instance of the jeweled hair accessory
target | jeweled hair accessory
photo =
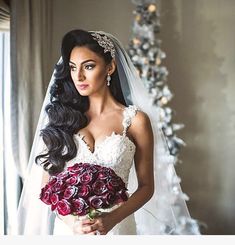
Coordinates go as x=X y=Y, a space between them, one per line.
x=104 y=42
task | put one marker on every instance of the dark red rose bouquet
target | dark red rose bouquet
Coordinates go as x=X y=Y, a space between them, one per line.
x=83 y=189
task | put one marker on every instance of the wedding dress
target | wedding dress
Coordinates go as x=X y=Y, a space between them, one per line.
x=115 y=151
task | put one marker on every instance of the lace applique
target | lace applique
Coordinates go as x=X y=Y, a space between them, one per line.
x=116 y=150
x=128 y=115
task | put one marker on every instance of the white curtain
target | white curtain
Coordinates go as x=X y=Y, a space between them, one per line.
x=30 y=65
x=25 y=48
x=10 y=181
x=8 y=175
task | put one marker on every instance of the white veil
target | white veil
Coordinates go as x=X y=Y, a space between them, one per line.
x=165 y=213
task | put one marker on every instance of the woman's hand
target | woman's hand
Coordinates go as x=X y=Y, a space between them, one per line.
x=85 y=226
x=100 y=225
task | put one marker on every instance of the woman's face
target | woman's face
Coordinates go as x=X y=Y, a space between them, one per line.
x=88 y=71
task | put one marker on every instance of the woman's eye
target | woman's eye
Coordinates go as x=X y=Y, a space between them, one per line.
x=72 y=68
x=89 y=67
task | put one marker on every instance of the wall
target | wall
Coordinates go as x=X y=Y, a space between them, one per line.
x=112 y=16
x=198 y=39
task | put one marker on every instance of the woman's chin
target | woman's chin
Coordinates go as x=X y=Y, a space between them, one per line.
x=84 y=93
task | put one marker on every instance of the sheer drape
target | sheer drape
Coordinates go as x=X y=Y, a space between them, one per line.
x=30 y=45
x=22 y=93
x=10 y=181
x=30 y=64
x=6 y=163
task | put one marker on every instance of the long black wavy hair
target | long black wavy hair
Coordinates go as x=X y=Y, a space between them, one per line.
x=67 y=107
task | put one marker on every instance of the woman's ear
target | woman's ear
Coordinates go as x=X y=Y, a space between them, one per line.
x=112 y=67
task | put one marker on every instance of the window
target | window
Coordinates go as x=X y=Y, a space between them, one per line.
x=8 y=174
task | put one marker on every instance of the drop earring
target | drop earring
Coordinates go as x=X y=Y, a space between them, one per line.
x=108 y=80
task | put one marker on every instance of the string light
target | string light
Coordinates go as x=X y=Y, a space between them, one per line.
x=152 y=8
x=144 y=50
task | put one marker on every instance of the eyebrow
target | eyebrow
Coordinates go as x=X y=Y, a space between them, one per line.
x=85 y=61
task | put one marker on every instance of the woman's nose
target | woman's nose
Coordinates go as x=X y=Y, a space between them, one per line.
x=80 y=75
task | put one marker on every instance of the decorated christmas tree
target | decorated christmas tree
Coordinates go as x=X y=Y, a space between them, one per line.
x=145 y=52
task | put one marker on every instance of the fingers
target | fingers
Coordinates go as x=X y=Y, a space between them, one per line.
x=87 y=222
x=90 y=227
x=93 y=229
x=79 y=224
x=86 y=226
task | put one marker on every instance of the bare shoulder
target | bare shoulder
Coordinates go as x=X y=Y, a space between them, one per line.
x=141 y=123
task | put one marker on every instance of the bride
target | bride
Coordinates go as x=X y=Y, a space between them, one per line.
x=96 y=110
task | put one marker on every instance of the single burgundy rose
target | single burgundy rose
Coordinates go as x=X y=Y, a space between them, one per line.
x=45 y=196
x=73 y=180
x=109 y=198
x=80 y=207
x=86 y=178
x=121 y=196
x=63 y=175
x=70 y=191
x=52 y=181
x=103 y=174
x=96 y=166
x=96 y=202
x=58 y=186
x=46 y=187
x=63 y=207
x=115 y=183
x=111 y=172
x=76 y=169
x=54 y=198
x=99 y=187
x=84 y=190
x=80 y=166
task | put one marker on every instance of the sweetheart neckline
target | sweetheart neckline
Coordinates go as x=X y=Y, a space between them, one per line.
x=96 y=146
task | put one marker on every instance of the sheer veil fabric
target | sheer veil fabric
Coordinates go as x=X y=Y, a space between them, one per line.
x=163 y=214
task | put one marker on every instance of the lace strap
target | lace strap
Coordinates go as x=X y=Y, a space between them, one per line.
x=128 y=113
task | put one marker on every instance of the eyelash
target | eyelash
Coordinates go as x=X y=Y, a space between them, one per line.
x=73 y=68
x=92 y=66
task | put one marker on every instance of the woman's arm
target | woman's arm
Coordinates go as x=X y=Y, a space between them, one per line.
x=141 y=132
x=45 y=178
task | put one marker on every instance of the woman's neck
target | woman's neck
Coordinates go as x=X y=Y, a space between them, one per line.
x=101 y=103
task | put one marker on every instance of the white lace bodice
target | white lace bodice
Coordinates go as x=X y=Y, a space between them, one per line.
x=115 y=151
